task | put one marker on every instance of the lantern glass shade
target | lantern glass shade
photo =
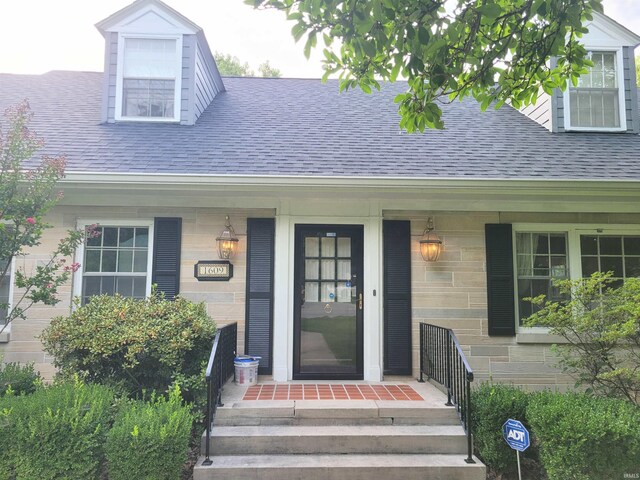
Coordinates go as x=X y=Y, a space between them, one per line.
x=430 y=244
x=227 y=242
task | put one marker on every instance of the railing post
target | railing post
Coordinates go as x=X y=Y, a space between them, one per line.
x=469 y=458
x=422 y=347
x=207 y=441
x=448 y=371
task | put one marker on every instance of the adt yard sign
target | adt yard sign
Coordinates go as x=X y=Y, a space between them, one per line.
x=516 y=435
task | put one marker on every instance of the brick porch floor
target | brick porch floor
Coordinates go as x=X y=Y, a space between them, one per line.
x=333 y=391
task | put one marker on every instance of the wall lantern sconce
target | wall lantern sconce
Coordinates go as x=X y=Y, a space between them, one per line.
x=227 y=241
x=430 y=243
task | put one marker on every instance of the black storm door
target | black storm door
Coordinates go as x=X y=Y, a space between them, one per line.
x=328 y=302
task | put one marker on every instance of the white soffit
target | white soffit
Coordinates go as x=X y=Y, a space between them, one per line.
x=148 y=17
x=606 y=32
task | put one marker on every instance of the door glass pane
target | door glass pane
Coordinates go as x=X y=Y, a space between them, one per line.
x=327 y=292
x=344 y=247
x=311 y=248
x=344 y=292
x=328 y=246
x=328 y=270
x=344 y=269
x=311 y=292
x=311 y=269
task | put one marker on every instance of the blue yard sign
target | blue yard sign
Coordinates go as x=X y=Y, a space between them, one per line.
x=516 y=435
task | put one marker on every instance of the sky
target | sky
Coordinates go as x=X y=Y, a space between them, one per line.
x=37 y=36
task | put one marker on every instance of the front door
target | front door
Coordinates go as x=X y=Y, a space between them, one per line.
x=328 y=302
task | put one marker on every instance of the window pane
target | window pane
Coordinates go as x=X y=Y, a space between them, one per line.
x=110 y=237
x=108 y=285
x=126 y=237
x=92 y=261
x=140 y=261
x=150 y=58
x=588 y=245
x=589 y=266
x=523 y=243
x=125 y=260
x=139 y=287
x=610 y=245
x=541 y=243
x=632 y=245
x=109 y=258
x=525 y=268
x=558 y=244
x=612 y=264
x=91 y=286
x=142 y=237
x=124 y=286
x=97 y=240
x=632 y=267
x=344 y=269
x=559 y=267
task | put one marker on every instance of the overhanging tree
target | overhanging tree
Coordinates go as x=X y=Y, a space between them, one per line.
x=493 y=50
x=26 y=195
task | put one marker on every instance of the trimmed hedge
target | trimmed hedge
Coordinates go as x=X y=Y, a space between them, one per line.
x=492 y=405
x=585 y=437
x=150 y=439
x=139 y=345
x=18 y=379
x=56 y=432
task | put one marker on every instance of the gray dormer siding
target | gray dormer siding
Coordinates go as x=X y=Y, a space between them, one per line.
x=110 y=75
x=630 y=96
x=208 y=82
x=188 y=54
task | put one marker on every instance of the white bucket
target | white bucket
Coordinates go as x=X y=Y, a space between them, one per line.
x=246 y=370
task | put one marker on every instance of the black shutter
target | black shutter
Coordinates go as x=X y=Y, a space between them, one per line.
x=167 y=236
x=500 y=288
x=397 y=296
x=259 y=302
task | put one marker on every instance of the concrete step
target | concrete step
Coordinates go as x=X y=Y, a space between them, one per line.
x=310 y=412
x=340 y=467
x=364 y=439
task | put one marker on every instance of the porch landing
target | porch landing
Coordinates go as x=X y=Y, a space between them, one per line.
x=316 y=438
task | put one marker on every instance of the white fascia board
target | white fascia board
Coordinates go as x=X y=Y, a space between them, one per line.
x=152 y=180
x=608 y=25
x=159 y=16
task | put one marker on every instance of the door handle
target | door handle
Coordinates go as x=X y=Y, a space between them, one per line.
x=360 y=301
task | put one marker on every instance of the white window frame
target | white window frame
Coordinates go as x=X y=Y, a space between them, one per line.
x=6 y=333
x=574 y=255
x=132 y=223
x=177 y=97
x=621 y=96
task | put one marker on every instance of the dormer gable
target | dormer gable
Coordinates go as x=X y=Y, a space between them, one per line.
x=605 y=99
x=158 y=66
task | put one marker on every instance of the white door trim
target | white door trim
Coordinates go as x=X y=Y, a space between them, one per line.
x=283 y=311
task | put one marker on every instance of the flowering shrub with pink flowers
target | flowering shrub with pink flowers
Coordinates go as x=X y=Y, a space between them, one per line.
x=28 y=190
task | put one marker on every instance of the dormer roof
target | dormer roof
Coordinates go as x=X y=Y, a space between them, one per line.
x=148 y=16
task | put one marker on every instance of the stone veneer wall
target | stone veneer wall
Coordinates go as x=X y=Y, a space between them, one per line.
x=200 y=227
x=452 y=293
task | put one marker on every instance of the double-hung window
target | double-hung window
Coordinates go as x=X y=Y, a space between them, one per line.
x=595 y=103
x=6 y=283
x=116 y=260
x=543 y=253
x=149 y=79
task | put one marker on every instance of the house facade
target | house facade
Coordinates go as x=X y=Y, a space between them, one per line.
x=329 y=202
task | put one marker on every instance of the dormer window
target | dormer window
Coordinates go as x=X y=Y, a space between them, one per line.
x=148 y=87
x=594 y=104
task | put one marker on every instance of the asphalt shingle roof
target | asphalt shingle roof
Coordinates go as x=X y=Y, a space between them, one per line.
x=302 y=127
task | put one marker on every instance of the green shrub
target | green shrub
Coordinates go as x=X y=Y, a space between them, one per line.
x=142 y=345
x=150 y=439
x=585 y=437
x=18 y=379
x=7 y=443
x=59 y=431
x=491 y=406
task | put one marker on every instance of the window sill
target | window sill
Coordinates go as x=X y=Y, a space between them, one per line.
x=539 y=337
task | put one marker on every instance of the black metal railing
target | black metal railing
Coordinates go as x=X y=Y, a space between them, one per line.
x=442 y=360
x=219 y=369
